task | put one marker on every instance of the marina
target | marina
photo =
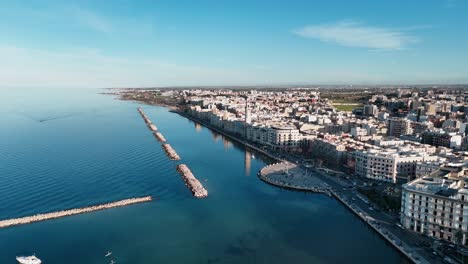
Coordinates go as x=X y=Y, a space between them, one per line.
x=64 y=213
x=192 y=183
x=171 y=153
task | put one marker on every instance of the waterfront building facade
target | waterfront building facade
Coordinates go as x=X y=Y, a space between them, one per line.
x=437 y=205
x=389 y=165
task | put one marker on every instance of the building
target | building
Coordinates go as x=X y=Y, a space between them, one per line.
x=398 y=127
x=437 y=205
x=334 y=153
x=442 y=139
x=275 y=137
x=357 y=132
x=389 y=165
x=370 y=110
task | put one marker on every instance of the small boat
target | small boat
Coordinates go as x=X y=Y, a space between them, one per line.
x=113 y=262
x=108 y=254
x=29 y=260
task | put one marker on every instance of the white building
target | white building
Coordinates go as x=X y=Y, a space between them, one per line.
x=358 y=132
x=389 y=165
x=437 y=205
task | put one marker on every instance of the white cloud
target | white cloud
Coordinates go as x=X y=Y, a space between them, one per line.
x=353 y=34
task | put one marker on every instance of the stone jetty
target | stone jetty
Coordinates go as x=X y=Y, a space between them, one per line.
x=59 y=214
x=146 y=119
x=192 y=183
x=171 y=153
x=159 y=137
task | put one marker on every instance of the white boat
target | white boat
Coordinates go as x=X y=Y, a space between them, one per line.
x=29 y=260
x=108 y=254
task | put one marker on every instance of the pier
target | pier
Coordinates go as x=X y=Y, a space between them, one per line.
x=192 y=183
x=171 y=153
x=159 y=137
x=64 y=213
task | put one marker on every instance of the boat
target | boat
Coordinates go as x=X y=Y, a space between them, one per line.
x=113 y=262
x=29 y=260
x=108 y=254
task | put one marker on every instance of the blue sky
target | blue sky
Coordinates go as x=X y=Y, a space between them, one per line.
x=221 y=42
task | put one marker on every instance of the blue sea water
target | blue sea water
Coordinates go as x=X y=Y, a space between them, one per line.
x=62 y=148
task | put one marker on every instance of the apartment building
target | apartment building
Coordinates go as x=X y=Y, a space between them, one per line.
x=437 y=205
x=389 y=165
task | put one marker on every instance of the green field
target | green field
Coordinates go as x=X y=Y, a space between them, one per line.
x=346 y=107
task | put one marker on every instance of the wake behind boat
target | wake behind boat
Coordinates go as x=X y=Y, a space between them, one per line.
x=29 y=260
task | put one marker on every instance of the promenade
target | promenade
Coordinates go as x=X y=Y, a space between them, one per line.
x=289 y=175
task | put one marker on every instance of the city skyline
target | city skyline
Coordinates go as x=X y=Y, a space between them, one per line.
x=123 y=44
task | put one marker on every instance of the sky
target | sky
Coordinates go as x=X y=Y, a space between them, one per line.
x=124 y=43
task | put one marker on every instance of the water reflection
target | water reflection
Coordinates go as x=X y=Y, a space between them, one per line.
x=247 y=161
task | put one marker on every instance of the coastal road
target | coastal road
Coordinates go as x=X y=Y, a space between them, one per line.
x=385 y=221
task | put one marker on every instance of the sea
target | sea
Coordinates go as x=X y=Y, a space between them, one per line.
x=69 y=148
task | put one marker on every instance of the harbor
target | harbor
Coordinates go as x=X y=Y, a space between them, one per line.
x=76 y=211
x=192 y=183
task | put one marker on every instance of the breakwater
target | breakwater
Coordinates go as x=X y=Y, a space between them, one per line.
x=64 y=213
x=171 y=153
x=159 y=137
x=152 y=127
x=192 y=183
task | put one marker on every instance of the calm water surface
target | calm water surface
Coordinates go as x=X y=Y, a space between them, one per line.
x=61 y=149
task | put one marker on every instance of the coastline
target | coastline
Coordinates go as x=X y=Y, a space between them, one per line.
x=399 y=248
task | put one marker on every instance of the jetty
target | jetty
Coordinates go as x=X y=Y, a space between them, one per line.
x=64 y=213
x=171 y=153
x=159 y=137
x=146 y=119
x=192 y=183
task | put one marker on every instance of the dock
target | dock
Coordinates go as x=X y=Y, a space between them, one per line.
x=192 y=183
x=64 y=213
x=171 y=153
